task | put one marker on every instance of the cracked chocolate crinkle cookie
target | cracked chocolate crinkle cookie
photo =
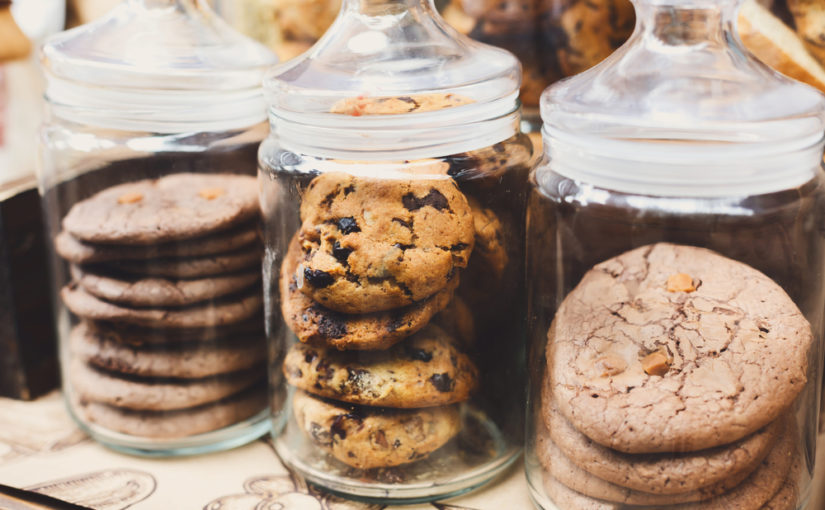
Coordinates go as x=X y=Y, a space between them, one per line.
x=424 y=370
x=369 y=438
x=376 y=244
x=670 y=348
x=313 y=323
x=665 y=473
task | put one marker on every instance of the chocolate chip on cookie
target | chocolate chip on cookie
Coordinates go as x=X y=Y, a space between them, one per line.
x=376 y=244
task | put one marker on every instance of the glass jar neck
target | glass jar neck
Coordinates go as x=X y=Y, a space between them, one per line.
x=386 y=7
x=685 y=22
x=161 y=4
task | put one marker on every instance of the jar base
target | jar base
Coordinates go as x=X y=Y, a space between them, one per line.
x=318 y=469
x=226 y=438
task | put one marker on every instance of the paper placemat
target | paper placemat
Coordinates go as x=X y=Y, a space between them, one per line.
x=42 y=450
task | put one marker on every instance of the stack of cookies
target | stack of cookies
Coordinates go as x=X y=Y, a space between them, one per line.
x=672 y=374
x=165 y=282
x=362 y=284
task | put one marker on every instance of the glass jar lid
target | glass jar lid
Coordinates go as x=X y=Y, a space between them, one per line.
x=682 y=109
x=164 y=65
x=399 y=51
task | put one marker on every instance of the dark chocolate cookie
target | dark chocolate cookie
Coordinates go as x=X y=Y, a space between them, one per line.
x=175 y=207
x=153 y=291
x=80 y=252
x=188 y=361
x=227 y=311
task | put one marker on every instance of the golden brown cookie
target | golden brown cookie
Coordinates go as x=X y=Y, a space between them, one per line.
x=642 y=363
x=426 y=369
x=376 y=244
x=369 y=438
x=315 y=324
x=394 y=105
x=489 y=239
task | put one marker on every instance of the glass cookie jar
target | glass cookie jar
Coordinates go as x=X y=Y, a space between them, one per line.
x=676 y=264
x=393 y=189
x=155 y=113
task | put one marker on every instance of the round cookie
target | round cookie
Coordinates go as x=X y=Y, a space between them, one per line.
x=490 y=161
x=202 y=360
x=565 y=471
x=174 y=207
x=489 y=239
x=565 y=497
x=87 y=306
x=79 y=252
x=762 y=484
x=788 y=495
x=666 y=473
x=156 y=394
x=424 y=370
x=312 y=323
x=457 y=321
x=640 y=368
x=138 y=336
x=376 y=244
x=194 y=267
x=175 y=424
x=161 y=291
x=365 y=439
x=358 y=106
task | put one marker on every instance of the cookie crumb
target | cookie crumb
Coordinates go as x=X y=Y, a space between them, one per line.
x=610 y=364
x=680 y=282
x=656 y=363
x=211 y=193
x=130 y=198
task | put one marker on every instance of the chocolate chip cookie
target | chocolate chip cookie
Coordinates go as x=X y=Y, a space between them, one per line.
x=666 y=473
x=315 y=324
x=376 y=244
x=367 y=438
x=670 y=348
x=153 y=291
x=424 y=370
x=174 y=207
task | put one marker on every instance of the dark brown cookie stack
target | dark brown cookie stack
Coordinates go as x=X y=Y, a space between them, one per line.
x=362 y=285
x=166 y=287
x=671 y=376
